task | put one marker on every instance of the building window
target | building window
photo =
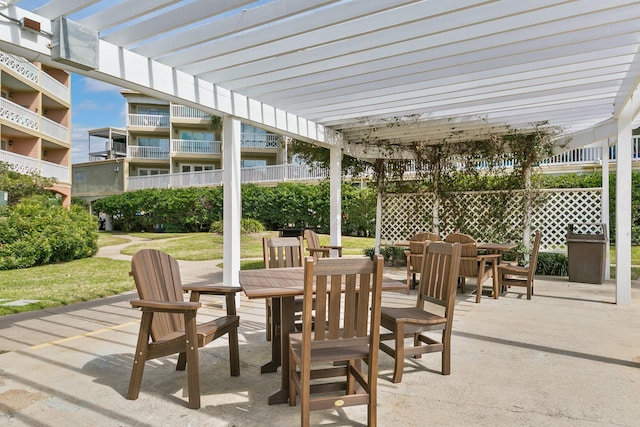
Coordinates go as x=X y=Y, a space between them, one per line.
x=184 y=168
x=252 y=163
x=151 y=172
x=153 y=111
x=154 y=142
x=196 y=135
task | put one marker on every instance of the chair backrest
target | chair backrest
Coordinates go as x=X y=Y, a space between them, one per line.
x=312 y=239
x=533 y=259
x=439 y=278
x=281 y=252
x=416 y=242
x=157 y=277
x=348 y=294
x=468 y=255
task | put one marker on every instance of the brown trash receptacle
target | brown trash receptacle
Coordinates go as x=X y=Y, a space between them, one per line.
x=586 y=250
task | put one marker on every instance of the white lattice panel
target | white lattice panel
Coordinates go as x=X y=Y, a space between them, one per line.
x=480 y=214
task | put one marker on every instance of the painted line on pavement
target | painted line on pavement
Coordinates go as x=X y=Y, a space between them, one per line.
x=88 y=334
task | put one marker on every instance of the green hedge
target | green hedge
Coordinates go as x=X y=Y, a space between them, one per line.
x=38 y=231
x=200 y=209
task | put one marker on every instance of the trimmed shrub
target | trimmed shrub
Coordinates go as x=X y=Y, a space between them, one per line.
x=37 y=231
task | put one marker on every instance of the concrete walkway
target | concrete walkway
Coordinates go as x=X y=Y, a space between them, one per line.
x=568 y=357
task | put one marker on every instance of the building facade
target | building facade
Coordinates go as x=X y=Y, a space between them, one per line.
x=35 y=118
x=162 y=138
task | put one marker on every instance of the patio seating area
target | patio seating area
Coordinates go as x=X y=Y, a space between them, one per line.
x=570 y=356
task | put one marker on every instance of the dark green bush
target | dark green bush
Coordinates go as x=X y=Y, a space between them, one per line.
x=552 y=264
x=246 y=226
x=393 y=255
x=36 y=231
x=198 y=209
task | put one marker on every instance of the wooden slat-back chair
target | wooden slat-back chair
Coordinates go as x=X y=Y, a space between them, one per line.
x=514 y=275
x=441 y=262
x=347 y=302
x=168 y=323
x=473 y=265
x=414 y=255
x=280 y=252
x=315 y=249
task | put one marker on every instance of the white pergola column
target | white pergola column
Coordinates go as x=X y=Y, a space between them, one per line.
x=232 y=211
x=623 y=209
x=335 y=190
x=378 y=231
x=605 y=204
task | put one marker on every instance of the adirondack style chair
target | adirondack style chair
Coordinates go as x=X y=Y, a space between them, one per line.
x=280 y=252
x=315 y=249
x=168 y=323
x=514 y=275
x=441 y=262
x=474 y=265
x=414 y=255
x=338 y=333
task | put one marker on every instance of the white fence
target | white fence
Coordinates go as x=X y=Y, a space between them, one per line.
x=406 y=214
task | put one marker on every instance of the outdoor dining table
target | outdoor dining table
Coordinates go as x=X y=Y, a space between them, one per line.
x=496 y=247
x=282 y=285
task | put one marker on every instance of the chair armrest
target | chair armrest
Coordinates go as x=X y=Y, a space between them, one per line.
x=228 y=291
x=331 y=247
x=166 y=307
x=322 y=250
x=488 y=257
x=212 y=289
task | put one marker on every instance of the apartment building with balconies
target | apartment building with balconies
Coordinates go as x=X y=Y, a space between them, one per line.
x=35 y=117
x=163 y=138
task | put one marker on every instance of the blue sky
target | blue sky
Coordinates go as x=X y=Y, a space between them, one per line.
x=94 y=104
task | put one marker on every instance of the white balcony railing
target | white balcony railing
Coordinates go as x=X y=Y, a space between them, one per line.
x=51 y=128
x=26 y=165
x=176 y=180
x=281 y=173
x=138 y=152
x=184 y=112
x=148 y=120
x=21 y=66
x=18 y=114
x=55 y=87
x=187 y=146
x=259 y=140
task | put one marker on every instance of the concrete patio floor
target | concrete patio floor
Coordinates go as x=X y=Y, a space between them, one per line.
x=568 y=357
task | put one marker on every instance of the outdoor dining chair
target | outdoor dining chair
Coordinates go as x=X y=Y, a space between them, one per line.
x=474 y=265
x=414 y=255
x=315 y=249
x=440 y=266
x=514 y=275
x=281 y=252
x=338 y=333
x=168 y=323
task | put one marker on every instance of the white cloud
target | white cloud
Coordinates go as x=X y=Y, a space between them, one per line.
x=79 y=144
x=92 y=85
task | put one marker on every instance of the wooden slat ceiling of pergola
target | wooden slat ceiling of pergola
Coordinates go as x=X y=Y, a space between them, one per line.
x=391 y=70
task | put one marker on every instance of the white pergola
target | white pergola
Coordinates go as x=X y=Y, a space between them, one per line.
x=354 y=75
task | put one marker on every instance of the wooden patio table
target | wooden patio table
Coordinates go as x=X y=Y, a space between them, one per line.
x=496 y=247
x=282 y=285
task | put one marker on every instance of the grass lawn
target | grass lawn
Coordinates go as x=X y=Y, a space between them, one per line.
x=65 y=283
x=92 y=278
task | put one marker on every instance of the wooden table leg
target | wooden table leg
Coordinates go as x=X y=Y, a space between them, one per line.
x=276 y=341
x=286 y=326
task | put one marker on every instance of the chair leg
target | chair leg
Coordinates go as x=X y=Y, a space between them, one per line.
x=478 y=289
x=494 y=275
x=234 y=353
x=446 y=350
x=140 y=357
x=399 y=354
x=269 y=321
x=193 y=371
